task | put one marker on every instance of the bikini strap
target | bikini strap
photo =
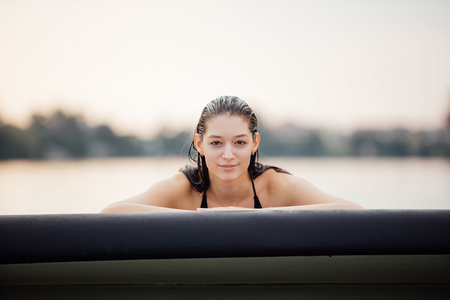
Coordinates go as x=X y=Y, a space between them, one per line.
x=255 y=197
x=204 y=202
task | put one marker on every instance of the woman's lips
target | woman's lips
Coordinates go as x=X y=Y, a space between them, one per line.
x=227 y=167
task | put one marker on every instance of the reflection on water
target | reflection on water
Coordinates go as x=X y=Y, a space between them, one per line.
x=86 y=186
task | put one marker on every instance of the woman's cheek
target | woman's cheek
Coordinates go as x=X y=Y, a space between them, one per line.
x=244 y=152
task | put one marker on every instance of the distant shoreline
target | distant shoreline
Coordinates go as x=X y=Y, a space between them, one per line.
x=61 y=135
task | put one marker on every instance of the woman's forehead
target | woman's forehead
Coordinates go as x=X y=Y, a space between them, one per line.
x=227 y=125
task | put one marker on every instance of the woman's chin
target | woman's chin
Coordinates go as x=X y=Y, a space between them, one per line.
x=228 y=176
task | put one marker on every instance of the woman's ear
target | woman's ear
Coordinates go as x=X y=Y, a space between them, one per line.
x=256 y=141
x=198 y=143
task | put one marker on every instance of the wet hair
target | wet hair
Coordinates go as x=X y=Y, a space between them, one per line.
x=225 y=105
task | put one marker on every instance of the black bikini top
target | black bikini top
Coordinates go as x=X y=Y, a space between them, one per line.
x=255 y=197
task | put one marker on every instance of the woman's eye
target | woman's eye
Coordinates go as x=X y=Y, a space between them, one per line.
x=241 y=143
x=215 y=143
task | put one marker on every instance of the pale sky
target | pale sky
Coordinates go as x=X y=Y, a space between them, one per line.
x=141 y=65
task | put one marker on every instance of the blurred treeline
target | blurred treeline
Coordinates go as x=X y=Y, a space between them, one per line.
x=62 y=135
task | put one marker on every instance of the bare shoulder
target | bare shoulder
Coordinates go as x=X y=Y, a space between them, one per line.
x=274 y=186
x=289 y=190
x=173 y=192
x=277 y=182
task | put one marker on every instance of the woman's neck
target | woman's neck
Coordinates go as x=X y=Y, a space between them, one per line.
x=230 y=193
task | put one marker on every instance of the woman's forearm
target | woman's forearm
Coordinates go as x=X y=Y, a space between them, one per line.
x=130 y=207
x=333 y=205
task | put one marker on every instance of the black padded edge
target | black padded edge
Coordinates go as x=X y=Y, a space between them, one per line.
x=91 y=237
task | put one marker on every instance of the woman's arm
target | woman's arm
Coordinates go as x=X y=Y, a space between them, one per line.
x=163 y=196
x=130 y=207
x=290 y=192
x=334 y=205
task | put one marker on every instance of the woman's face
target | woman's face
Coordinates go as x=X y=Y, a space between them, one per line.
x=227 y=146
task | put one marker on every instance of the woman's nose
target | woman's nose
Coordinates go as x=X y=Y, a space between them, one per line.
x=228 y=153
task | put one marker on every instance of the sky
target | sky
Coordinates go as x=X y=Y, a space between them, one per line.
x=145 y=65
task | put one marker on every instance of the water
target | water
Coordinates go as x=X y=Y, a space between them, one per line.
x=87 y=186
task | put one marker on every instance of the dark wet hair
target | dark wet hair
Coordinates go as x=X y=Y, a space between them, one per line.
x=233 y=106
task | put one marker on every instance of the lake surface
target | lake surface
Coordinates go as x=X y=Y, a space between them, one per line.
x=87 y=186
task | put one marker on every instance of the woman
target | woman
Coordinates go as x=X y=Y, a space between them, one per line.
x=227 y=175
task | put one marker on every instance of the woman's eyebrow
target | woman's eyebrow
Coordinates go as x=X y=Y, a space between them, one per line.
x=219 y=137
